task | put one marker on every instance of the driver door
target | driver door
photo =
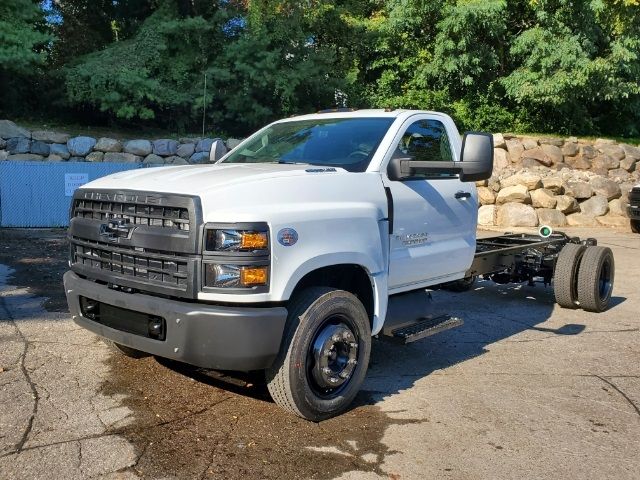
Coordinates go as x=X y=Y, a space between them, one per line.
x=434 y=217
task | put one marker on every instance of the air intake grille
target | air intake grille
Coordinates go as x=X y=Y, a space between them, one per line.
x=634 y=196
x=149 y=266
x=136 y=208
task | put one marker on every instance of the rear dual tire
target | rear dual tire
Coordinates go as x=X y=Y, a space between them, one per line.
x=584 y=277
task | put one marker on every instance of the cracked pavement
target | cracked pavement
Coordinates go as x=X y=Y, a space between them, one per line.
x=522 y=389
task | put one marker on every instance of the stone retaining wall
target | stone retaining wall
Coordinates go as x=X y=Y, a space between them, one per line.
x=17 y=143
x=536 y=181
x=558 y=182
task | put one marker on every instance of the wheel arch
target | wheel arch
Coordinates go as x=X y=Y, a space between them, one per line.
x=356 y=278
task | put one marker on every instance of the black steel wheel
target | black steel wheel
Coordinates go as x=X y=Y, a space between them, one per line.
x=595 y=279
x=635 y=226
x=126 y=351
x=565 y=276
x=324 y=354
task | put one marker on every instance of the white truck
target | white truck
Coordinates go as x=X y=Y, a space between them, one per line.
x=633 y=208
x=285 y=254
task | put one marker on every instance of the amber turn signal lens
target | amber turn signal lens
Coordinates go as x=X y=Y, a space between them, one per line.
x=253 y=276
x=254 y=240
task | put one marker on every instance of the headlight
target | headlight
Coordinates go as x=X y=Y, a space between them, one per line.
x=234 y=240
x=235 y=276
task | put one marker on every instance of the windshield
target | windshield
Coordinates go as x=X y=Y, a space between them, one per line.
x=340 y=142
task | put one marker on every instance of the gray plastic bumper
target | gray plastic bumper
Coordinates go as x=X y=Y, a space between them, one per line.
x=209 y=336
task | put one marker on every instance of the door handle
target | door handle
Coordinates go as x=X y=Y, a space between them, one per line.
x=462 y=194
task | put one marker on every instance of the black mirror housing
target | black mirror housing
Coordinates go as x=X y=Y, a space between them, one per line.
x=476 y=157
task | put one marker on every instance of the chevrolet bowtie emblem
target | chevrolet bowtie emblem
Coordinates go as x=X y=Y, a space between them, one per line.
x=116 y=228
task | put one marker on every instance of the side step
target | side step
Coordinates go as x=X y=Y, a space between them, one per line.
x=422 y=328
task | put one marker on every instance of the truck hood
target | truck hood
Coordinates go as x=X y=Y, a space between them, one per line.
x=200 y=180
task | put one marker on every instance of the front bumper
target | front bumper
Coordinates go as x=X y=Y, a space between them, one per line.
x=209 y=336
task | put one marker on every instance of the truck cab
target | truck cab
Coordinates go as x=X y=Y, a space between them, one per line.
x=283 y=255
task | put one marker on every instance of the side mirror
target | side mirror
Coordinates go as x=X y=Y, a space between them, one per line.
x=476 y=157
x=218 y=150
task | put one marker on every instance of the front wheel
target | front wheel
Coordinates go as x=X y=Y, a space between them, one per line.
x=635 y=226
x=324 y=354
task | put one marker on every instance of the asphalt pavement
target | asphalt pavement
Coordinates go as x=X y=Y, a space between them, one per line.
x=524 y=389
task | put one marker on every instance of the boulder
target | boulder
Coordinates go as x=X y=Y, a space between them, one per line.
x=515 y=193
x=487 y=215
x=578 y=189
x=579 y=162
x=25 y=157
x=77 y=159
x=587 y=151
x=175 y=160
x=8 y=129
x=95 y=157
x=48 y=136
x=80 y=146
x=543 y=198
x=562 y=166
x=60 y=150
x=604 y=141
x=153 y=159
x=18 y=145
x=500 y=159
x=595 y=206
x=617 y=207
x=553 y=152
x=40 y=148
x=600 y=171
x=515 y=149
x=556 y=142
x=494 y=183
x=106 y=144
x=516 y=215
x=529 y=180
x=570 y=149
x=537 y=154
x=529 y=143
x=204 y=145
x=199 y=157
x=566 y=204
x=165 y=147
x=630 y=151
x=605 y=162
x=614 y=151
x=138 y=147
x=3 y=155
x=605 y=187
x=571 y=140
x=234 y=142
x=498 y=141
x=619 y=175
x=581 y=220
x=54 y=158
x=551 y=217
x=185 y=150
x=193 y=140
x=629 y=164
x=554 y=184
x=613 y=221
x=486 y=196
x=3 y=144
x=119 y=157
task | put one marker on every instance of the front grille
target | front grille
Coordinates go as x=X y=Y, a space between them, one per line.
x=139 y=209
x=136 y=263
x=634 y=196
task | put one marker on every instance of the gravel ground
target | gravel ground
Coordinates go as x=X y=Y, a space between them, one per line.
x=523 y=389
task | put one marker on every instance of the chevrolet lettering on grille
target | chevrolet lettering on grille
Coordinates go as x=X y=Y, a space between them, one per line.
x=116 y=229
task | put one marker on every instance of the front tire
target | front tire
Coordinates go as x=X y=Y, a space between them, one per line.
x=324 y=354
x=635 y=226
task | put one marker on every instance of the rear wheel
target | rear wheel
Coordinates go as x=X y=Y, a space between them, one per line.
x=565 y=276
x=324 y=354
x=635 y=226
x=126 y=351
x=595 y=279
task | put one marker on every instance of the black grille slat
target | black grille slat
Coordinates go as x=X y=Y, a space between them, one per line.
x=634 y=196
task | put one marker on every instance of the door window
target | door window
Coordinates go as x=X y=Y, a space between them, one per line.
x=425 y=140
